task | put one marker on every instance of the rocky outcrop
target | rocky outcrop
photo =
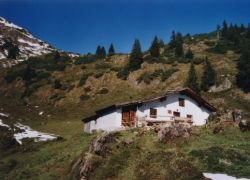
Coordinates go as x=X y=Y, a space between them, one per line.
x=83 y=165
x=244 y=125
x=169 y=132
x=227 y=84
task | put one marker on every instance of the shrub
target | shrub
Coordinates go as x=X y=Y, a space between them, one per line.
x=12 y=75
x=166 y=74
x=198 y=61
x=83 y=80
x=123 y=73
x=103 y=90
x=84 y=97
x=57 y=84
x=42 y=75
x=50 y=62
x=221 y=47
x=86 y=59
x=147 y=77
x=99 y=74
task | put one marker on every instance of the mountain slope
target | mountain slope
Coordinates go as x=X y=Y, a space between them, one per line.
x=67 y=88
x=17 y=44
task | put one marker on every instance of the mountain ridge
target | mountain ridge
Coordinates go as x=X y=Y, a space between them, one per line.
x=17 y=44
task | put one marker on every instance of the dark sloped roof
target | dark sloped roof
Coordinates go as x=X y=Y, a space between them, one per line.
x=185 y=91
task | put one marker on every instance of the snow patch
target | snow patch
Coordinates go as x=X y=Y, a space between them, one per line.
x=4 y=125
x=4 y=115
x=41 y=113
x=9 y=24
x=221 y=177
x=30 y=133
x=2 y=56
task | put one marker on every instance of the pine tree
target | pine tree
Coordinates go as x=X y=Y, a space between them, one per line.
x=135 y=59
x=248 y=31
x=161 y=43
x=103 y=52
x=243 y=76
x=155 y=47
x=192 y=80
x=189 y=54
x=98 y=52
x=28 y=74
x=179 y=45
x=111 y=50
x=224 y=31
x=208 y=77
x=172 y=43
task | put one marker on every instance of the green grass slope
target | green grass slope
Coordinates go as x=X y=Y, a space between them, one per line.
x=67 y=89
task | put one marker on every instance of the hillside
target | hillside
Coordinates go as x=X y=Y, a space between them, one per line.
x=66 y=89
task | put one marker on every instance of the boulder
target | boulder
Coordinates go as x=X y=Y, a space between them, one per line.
x=83 y=165
x=227 y=84
x=169 y=132
x=244 y=125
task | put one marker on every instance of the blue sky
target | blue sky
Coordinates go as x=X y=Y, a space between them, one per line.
x=80 y=25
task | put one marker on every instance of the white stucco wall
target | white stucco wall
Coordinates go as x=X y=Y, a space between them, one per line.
x=200 y=114
x=112 y=120
x=108 y=122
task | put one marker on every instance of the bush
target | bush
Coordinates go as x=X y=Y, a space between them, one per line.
x=83 y=80
x=221 y=47
x=198 y=61
x=99 y=74
x=147 y=77
x=49 y=62
x=57 y=84
x=150 y=59
x=166 y=74
x=42 y=75
x=116 y=69
x=123 y=73
x=103 y=90
x=12 y=75
x=86 y=59
x=84 y=97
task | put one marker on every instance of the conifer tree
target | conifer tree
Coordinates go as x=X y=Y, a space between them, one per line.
x=224 y=31
x=179 y=45
x=98 y=52
x=172 y=43
x=192 y=80
x=243 y=76
x=208 y=77
x=111 y=50
x=189 y=54
x=103 y=52
x=135 y=59
x=161 y=43
x=248 y=31
x=155 y=47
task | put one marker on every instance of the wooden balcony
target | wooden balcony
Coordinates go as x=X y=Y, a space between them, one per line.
x=165 y=119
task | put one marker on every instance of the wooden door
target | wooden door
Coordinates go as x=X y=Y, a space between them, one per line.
x=128 y=116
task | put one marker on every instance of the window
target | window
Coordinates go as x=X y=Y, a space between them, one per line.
x=181 y=102
x=177 y=114
x=153 y=113
x=169 y=112
x=189 y=116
